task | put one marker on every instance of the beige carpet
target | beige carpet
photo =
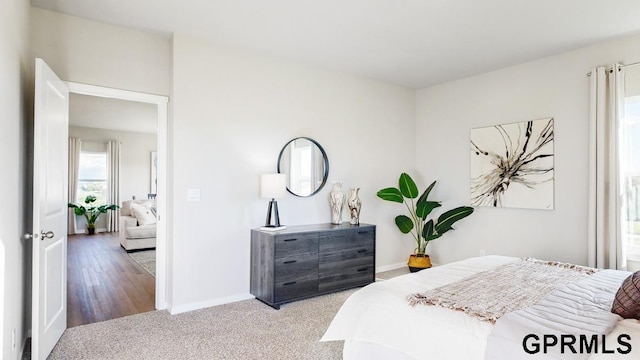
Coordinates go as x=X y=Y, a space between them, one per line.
x=243 y=330
x=392 y=273
x=146 y=259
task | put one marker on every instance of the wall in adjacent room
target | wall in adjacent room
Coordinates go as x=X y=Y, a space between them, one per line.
x=232 y=113
x=551 y=87
x=135 y=157
x=15 y=122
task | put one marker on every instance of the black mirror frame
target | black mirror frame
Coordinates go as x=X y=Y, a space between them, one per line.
x=324 y=157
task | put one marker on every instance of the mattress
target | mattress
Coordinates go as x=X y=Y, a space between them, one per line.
x=376 y=322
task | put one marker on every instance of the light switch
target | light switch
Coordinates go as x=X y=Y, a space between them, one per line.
x=193 y=195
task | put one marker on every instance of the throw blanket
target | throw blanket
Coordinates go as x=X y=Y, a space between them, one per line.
x=572 y=309
x=520 y=284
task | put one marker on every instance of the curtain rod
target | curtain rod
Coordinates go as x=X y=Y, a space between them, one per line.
x=621 y=66
x=632 y=64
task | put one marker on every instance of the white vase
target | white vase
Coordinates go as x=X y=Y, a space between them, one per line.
x=336 y=201
x=354 y=204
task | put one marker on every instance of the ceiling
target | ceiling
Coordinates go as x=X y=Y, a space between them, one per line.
x=415 y=43
x=105 y=113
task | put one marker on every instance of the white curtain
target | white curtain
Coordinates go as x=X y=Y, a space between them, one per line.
x=113 y=183
x=605 y=248
x=74 y=167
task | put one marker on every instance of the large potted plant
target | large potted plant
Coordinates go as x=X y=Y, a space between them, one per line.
x=91 y=212
x=422 y=230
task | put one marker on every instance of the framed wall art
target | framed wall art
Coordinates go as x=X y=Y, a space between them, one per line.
x=512 y=165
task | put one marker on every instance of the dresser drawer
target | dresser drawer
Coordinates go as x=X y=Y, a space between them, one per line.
x=355 y=249
x=296 y=244
x=300 y=268
x=295 y=289
x=345 y=278
x=353 y=239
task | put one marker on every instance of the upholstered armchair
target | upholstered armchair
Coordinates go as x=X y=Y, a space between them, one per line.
x=137 y=225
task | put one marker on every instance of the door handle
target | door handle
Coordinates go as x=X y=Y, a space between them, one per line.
x=46 y=235
x=31 y=236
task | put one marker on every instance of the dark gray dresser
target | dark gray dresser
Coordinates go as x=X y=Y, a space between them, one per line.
x=309 y=260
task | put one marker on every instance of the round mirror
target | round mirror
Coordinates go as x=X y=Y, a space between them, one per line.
x=305 y=163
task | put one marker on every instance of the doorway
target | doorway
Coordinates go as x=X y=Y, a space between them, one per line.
x=160 y=103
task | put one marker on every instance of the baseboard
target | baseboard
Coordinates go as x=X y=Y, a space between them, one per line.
x=391 y=267
x=84 y=231
x=209 y=303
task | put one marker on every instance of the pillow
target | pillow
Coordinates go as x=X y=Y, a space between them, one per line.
x=125 y=209
x=627 y=300
x=143 y=214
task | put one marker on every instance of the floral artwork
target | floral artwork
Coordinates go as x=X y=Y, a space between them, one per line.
x=512 y=165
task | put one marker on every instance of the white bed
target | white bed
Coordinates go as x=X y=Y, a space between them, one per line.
x=377 y=322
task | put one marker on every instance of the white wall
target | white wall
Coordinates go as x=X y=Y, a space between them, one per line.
x=15 y=67
x=552 y=87
x=135 y=157
x=94 y=53
x=232 y=113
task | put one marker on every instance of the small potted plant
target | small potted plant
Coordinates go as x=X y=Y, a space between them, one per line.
x=91 y=212
x=416 y=223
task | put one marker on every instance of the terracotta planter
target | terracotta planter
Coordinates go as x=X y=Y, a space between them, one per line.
x=418 y=262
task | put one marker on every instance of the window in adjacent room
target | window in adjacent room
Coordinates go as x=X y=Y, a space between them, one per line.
x=92 y=176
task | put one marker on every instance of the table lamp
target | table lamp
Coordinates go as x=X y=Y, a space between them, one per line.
x=273 y=186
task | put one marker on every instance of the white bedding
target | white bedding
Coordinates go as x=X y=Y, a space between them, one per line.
x=581 y=307
x=377 y=321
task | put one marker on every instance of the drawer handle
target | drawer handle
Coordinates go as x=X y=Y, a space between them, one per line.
x=362 y=251
x=363 y=232
x=290 y=239
x=289 y=283
x=290 y=261
x=363 y=269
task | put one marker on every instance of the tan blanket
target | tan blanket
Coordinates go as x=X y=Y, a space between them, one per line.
x=490 y=294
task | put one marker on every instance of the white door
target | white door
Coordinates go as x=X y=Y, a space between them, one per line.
x=51 y=128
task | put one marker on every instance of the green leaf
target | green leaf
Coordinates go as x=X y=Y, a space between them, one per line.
x=391 y=194
x=447 y=219
x=408 y=187
x=425 y=195
x=423 y=209
x=404 y=223
x=427 y=230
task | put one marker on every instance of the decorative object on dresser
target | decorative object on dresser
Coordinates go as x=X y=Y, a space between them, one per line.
x=336 y=201
x=354 y=204
x=272 y=186
x=512 y=165
x=91 y=212
x=305 y=163
x=138 y=225
x=310 y=260
x=422 y=231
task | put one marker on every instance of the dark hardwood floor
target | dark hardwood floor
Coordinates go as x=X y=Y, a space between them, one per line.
x=103 y=281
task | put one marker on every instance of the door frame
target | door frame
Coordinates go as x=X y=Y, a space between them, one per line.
x=161 y=232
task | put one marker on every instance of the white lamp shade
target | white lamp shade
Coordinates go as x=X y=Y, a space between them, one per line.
x=273 y=186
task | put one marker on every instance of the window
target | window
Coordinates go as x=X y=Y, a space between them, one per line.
x=629 y=159
x=92 y=176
